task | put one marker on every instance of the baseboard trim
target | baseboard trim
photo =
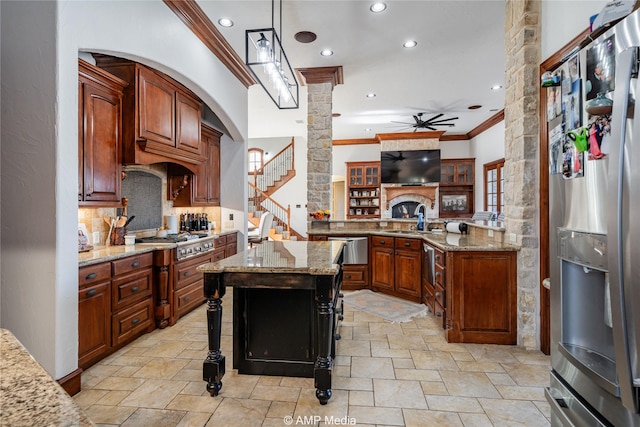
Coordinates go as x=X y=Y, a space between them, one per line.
x=71 y=383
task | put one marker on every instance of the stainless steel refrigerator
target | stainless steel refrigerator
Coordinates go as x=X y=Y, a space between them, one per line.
x=595 y=233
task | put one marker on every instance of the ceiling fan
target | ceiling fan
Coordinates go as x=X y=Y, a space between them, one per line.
x=388 y=155
x=429 y=123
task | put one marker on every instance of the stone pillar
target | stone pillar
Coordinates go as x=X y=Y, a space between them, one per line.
x=320 y=82
x=522 y=54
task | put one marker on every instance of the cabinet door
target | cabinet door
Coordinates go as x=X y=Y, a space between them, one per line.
x=102 y=121
x=214 y=172
x=408 y=273
x=94 y=323
x=447 y=173
x=382 y=268
x=205 y=185
x=372 y=175
x=156 y=108
x=465 y=174
x=188 y=115
x=356 y=176
x=80 y=141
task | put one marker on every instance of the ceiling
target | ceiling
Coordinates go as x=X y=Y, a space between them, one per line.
x=459 y=57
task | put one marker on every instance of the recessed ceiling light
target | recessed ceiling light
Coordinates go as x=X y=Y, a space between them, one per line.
x=326 y=52
x=371 y=95
x=496 y=87
x=225 y=22
x=378 y=7
x=367 y=130
x=474 y=107
x=410 y=43
x=336 y=115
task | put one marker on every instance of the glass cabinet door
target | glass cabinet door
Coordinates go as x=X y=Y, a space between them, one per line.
x=447 y=174
x=465 y=174
x=372 y=175
x=355 y=176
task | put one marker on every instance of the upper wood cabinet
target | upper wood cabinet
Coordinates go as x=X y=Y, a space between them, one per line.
x=363 y=189
x=99 y=136
x=203 y=187
x=161 y=118
x=457 y=171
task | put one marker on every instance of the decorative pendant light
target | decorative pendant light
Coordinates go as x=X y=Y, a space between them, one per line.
x=265 y=57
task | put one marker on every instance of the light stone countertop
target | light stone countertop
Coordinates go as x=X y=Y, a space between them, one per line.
x=109 y=253
x=28 y=394
x=443 y=240
x=303 y=257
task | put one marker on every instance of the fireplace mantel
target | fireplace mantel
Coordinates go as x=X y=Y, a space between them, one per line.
x=393 y=192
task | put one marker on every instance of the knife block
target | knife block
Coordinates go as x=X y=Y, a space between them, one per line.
x=117 y=236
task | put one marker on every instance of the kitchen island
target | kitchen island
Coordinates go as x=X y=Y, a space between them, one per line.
x=286 y=295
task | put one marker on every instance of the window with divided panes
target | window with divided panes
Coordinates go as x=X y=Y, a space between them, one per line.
x=494 y=186
x=255 y=159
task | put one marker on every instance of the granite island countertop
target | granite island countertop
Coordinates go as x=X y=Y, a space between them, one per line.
x=302 y=257
x=28 y=394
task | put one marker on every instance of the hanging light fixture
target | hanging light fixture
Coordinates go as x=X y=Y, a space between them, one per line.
x=268 y=62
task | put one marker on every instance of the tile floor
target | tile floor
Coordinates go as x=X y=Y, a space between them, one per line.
x=384 y=374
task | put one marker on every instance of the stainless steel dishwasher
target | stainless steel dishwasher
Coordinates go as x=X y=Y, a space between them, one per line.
x=356 y=249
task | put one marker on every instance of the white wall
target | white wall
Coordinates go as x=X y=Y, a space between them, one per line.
x=40 y=44
x=562 y=20
x=486 y=147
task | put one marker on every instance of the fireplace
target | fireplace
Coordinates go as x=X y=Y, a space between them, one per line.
x=403 y=201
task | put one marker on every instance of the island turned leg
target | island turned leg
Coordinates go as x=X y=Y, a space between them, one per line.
x=214 y=364
x=324 y=316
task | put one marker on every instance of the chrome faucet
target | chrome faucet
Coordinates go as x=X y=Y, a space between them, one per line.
x=417 y=211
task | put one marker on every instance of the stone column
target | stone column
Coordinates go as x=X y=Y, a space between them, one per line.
x=522 y=54
x=320 y=82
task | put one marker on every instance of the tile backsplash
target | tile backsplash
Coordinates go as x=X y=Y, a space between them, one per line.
x=93 y=218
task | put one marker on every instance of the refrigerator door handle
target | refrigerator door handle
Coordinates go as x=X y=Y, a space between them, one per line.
x=625 y=65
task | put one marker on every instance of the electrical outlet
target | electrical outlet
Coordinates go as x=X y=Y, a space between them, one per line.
x=513 y=238
x=95 y=237
x=340 y=224
x=228 y=225
x=490 y=233
x=230 y=217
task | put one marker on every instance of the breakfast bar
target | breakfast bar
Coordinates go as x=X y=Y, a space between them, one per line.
x=286 y=306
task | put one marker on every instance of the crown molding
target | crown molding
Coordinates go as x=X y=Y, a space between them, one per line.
x=356 y=141
x=490 y=122
x=199 y=23
x=409 y=135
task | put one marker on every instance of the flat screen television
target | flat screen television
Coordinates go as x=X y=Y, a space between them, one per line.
x=413 y=167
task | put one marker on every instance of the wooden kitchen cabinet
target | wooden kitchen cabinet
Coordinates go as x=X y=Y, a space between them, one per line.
x=201 y=188
x=161 y=117
x=457 y=181
x=363 y=190
x=480 y=297
x=94 y=314
x=205 y=186
x=457 y=171
x=396 y=266
x=115 y=306
x=99 y=136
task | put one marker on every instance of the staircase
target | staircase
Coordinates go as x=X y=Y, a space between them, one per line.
x=273 y=175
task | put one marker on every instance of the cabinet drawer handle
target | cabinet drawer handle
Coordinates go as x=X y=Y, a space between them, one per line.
x=91 y=276
x=92 y=292
x=186 y=273
x=437 y=256
x=135 y=289
x=407 y=244
x=348 y=276
x=135 y=264
x=186 y=299
x=438 y=314
x=135 y=321
x=438 y=274
x=382 y=242
x=438 y=294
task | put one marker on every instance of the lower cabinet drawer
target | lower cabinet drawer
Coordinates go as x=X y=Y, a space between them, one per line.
x=355 y=277
x=190 y=297
x=427 y=297
x=219 y=254
x=131 y=288
x=439 y=295
x=130 y=321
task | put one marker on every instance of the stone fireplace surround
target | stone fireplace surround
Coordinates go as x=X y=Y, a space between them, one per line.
x=395 y=195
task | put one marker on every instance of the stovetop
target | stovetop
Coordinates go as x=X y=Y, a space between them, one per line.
x=171 y=238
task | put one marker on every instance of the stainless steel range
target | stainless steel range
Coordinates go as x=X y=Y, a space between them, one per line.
x=188 y=245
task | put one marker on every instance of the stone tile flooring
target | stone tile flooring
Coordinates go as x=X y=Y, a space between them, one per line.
x=384 y=374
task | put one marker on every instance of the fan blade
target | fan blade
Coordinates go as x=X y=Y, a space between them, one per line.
x=403 y=123
x=416 y=118
x=434 y=117
x=441 y=120
x=430 y=128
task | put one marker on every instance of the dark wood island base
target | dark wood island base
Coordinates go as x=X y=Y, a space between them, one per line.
x=285 y=318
